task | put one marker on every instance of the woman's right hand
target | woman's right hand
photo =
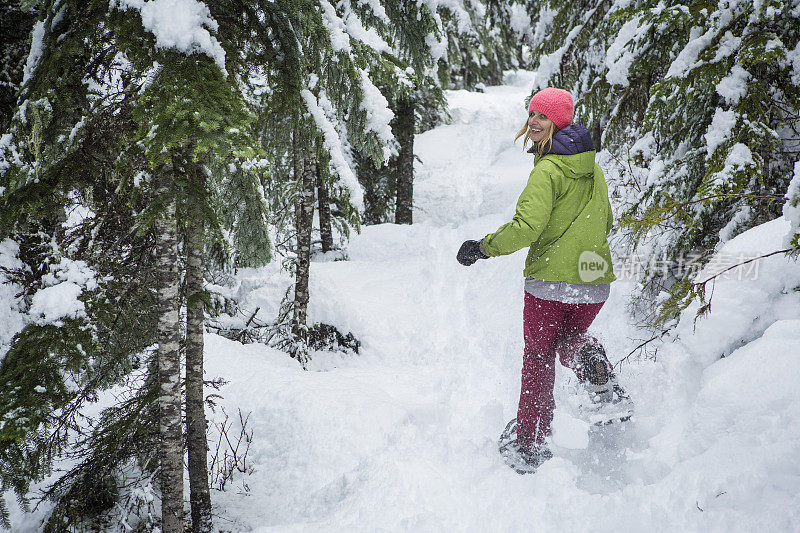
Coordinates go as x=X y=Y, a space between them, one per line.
x=470 y=252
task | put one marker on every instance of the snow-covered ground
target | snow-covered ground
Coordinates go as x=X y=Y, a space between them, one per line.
x=403 y=436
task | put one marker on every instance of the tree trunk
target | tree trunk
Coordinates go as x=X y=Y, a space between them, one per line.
x=323 y=199
x=405 y=161
x=169 y=367
x=376 y=183
x=197 y=444
x=305 y=170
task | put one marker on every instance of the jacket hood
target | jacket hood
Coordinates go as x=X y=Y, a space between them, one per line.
x=571 y=140
x=574 y=144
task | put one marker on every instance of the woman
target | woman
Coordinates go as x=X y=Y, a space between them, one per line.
x=563 y=215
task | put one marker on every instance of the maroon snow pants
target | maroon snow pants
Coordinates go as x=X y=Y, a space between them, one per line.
x=549 y=327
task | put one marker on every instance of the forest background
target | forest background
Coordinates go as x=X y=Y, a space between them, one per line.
x=152 y=148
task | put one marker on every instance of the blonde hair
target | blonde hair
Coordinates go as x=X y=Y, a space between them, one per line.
x=542 y=145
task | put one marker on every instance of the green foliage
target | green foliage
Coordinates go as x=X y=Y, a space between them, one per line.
x=79 y=142
x=189 y=104
x=16 y=23
x=682 y=294
x=118 y=455
x=697 y=104
x=42 y=373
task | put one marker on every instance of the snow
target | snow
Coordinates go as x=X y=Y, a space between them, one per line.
x=437 y=47
x=742 y=215
x=58 y=298
x=336 y=28
x=51 y=304
x=36 y=51
x=740 y=156
x=58 y=17
x=184 y=25
x=793 y=57
x=402 y=436
x=544 y=23
x=11 y=317
x=377 y=9
x=376 y=107
x=8 y=153
x=619 y=56
x=733 y=86
x=370 y=37
x=457 y=10
x=335 y=148
x=791 y=209
x=728 y=45
x=519 y=20
x=745 y=301
x=687 y=59
x=719 y=130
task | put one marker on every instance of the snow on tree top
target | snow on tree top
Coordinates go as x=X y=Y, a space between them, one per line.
x=180 y=24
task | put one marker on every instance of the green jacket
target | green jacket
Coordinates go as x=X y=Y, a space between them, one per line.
x=564 y=215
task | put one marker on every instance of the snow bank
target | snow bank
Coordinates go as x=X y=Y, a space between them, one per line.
x=791 y=209
x=747 y=300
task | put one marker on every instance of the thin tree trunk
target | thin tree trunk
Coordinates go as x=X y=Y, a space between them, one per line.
x=169 y=368
x=374 y=182
x=304 y=212
x=323 y=199
x=196 y=442
x=405 y=161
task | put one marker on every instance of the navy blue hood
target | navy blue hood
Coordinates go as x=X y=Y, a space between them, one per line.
x=571 y=140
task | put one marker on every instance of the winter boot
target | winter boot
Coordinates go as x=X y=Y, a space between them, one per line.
x=597 y=376
x=610 y=402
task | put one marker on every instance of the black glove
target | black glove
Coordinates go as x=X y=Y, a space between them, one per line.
x=470 y=252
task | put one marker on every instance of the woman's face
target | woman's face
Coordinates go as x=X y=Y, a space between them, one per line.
x=539 y=126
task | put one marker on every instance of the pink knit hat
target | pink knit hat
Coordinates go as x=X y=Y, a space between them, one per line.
x=555 y=104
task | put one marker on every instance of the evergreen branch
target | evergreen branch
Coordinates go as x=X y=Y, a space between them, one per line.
x=661 y=214
x=784 y=251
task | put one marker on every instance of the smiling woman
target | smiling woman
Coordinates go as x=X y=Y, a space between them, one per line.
x=563 y=215
x=548 y=111
x=539 y=129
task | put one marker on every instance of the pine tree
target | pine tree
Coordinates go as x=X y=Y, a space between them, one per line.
x=54 y=153
x=169 y=359
x=694 y=104
x=324 y=210
x=312 y=72
x=103 y=119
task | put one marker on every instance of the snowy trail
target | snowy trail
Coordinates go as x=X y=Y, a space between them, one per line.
x=403 y=436
x=409 y=428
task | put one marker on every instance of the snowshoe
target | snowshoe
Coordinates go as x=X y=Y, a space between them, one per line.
x=609 y=401
x=521 y=459
x=602 y=414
